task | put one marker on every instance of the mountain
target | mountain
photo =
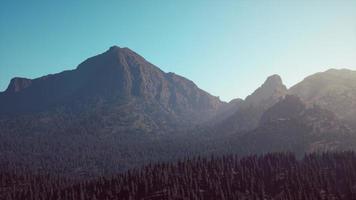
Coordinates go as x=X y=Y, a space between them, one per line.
x=333 y=89
x=250 y=110
x=117 y=111
x=291 y=125
x=107 y=115
x=270 y=92
x=117 y=82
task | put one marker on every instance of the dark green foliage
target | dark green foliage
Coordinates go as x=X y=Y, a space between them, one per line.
x=271 y=176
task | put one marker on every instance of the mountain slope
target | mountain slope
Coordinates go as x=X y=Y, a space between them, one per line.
x=291 y=125
x=334 y=90
x=108 y=114
x=251 y=109
x=117 y=78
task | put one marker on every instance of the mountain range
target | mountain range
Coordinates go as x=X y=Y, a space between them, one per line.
x=116 y=111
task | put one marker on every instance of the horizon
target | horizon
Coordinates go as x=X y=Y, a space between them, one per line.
x=219 y=46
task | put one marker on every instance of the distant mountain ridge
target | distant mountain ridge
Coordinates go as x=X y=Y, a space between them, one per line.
x=333 y=90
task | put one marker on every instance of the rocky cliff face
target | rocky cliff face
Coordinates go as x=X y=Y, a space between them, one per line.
x=18 y=84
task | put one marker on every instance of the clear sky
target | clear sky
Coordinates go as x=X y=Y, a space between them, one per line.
x=227 y=47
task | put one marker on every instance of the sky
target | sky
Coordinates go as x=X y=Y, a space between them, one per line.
x=227 y=47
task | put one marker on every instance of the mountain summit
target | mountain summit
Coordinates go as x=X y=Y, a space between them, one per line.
x=108 y=114
x=270 y=91
x=116 y=79
x=18 y=84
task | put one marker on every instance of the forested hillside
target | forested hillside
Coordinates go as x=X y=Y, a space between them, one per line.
x=270 y=176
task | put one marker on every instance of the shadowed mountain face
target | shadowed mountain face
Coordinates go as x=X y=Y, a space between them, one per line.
x=291 y=125
x=117 y=79
x=334 y=90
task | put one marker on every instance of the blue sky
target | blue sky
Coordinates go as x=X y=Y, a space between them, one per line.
x=227 y=48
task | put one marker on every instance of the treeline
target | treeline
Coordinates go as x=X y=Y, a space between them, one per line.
x=278 y=176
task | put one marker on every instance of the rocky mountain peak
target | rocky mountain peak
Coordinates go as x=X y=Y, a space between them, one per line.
x=117 y=77
x=18 y=84
x=272 y=89
x=274 y=80
x=121 y=50
x=114 y=48
x=247 y=114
